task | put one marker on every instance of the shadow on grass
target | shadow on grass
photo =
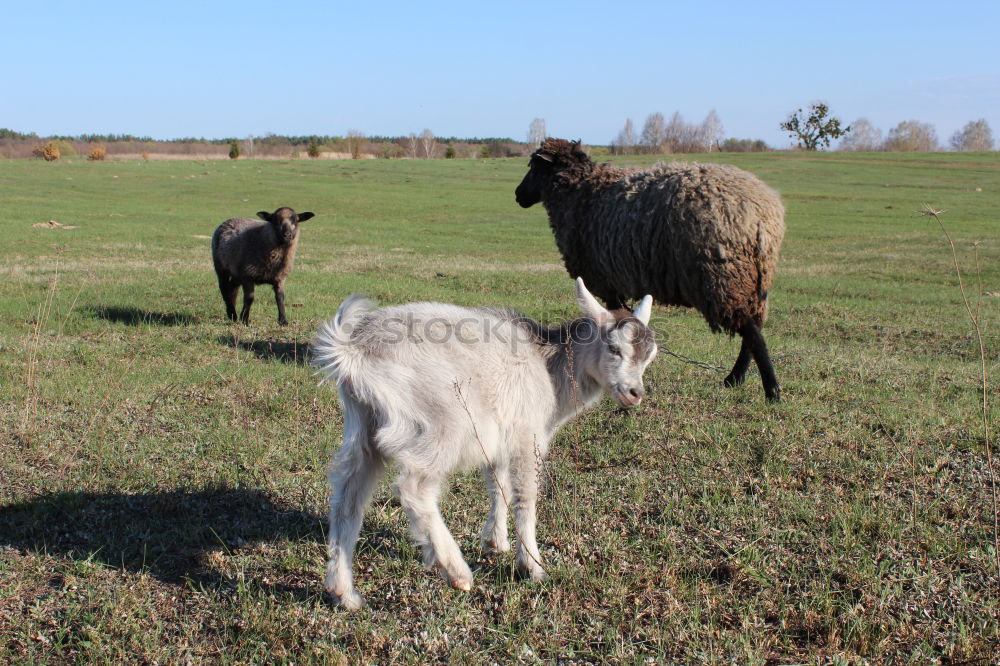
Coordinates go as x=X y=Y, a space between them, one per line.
x=268 y=350
x=170 y=534
x=136 y=316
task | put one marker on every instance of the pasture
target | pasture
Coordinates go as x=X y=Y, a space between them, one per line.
x=162 y=470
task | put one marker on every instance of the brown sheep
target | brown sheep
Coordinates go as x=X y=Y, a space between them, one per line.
x=248 y=252
x=700 y=235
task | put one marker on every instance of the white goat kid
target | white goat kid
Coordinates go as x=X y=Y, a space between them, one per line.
x=436 y=388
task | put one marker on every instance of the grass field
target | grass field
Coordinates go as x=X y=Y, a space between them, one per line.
x=162 y=485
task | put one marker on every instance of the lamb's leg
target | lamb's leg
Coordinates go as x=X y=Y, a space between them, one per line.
x=248 y=287
x=758 y=347
x=525 y=488
x=279 y=298
x=229 y=286
x=494 y=534
x=739 y=372
x=353 y=475
x=419 y=496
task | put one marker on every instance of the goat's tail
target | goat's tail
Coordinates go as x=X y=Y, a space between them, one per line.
x=327 y=351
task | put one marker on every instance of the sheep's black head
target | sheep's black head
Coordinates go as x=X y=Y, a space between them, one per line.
x=285 y=222
x=552 y=157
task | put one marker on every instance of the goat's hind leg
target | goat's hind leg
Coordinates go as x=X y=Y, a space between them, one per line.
x=353 y=475
x=419 y=494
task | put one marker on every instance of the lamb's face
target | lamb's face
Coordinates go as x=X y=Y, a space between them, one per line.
x=626 y=351
x=285 y=222
x=540 y=169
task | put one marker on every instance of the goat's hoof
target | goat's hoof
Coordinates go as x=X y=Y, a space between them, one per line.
x=464 y=584
x=538 y=576
x=535 y=574
x=495 y=545
x=350 y=599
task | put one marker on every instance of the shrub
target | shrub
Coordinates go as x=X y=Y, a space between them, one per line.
x=732 y=145
x=48 y=152
x=234 y=149
x=391 y=150
x=449 y=152
x=313 y=150
x=97 y=154
x=145 y=156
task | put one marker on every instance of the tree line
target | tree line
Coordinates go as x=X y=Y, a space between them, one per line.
x=814 y=128
x=353 y=144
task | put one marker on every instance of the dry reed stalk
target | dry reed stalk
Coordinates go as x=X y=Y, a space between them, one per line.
x=929 y=211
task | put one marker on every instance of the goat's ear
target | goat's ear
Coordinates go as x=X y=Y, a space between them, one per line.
x=644 y=309
x=590 y=307
x=264 y=215
x=306 y=216
x=544 y=156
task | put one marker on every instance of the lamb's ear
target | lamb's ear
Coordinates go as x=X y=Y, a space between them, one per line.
x=264 y=215
x=306 y=216
x=644 y=309
x=590 y=307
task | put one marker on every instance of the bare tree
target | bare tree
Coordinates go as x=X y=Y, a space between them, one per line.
x=653 y=133
x=710 y=132
x=536 y=133
x=427 y=144
x=816 y=129
x=976 y=135
x=412 y=145
x=912 y=135
x=862 y=138
x=624 y=143
x=355 y=143
x=676 y=135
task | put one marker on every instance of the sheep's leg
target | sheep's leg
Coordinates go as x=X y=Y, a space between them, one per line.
x=739 y=372
x=758 y=348
x=229 y=286
x=356 y=470
x=279 y=298
x=248 y=287
x=419 y=496
x=494 y=534
x=525 y=488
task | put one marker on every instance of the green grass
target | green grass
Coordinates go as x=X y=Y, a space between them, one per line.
x=162 y=485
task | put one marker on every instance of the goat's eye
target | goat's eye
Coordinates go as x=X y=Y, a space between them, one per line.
x=615 y=350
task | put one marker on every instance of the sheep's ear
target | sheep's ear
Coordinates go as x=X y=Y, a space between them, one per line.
x=264 y=215
x=644 y=309
x=590 y=307
x=306 y=216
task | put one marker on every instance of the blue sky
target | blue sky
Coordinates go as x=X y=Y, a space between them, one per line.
x=221 y=69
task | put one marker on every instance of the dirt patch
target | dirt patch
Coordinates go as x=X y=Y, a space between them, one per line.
x=52 y=224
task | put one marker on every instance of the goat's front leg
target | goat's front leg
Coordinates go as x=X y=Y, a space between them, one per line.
x=494 y=534
x=419 y=496
x=525 y=487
